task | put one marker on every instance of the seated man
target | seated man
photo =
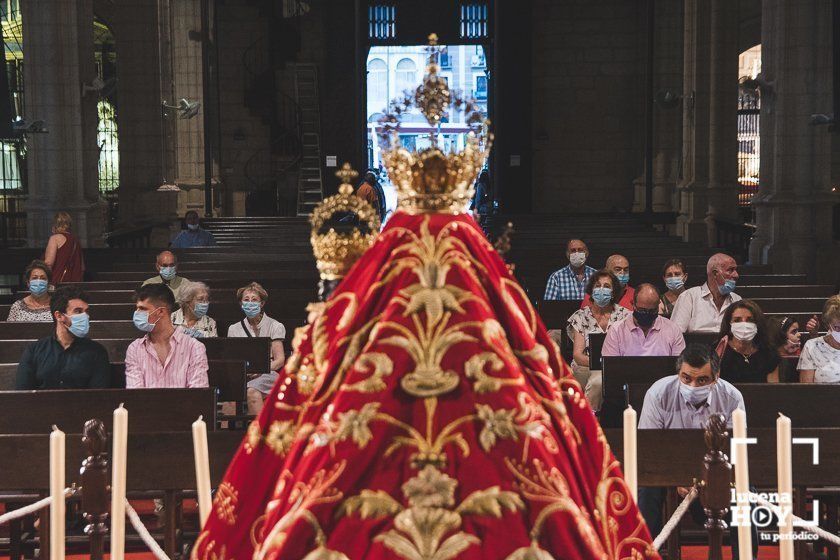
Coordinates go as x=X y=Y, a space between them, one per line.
x=701 y=309
x=569 y=283
x=166 y=356
x=167 y=267
x=620 y=266
x=646 y=332
x=67 y=359
x=686 y=401
x=193 y=236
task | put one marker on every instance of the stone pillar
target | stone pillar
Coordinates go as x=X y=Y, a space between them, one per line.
x=693 y=188
x=723 y=116
x=794 y=203
x=61 y=164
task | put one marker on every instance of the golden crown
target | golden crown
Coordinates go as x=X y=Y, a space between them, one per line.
x=343 y=227
x=432 y=180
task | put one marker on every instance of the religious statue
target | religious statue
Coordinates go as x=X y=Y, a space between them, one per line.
x=425 y=413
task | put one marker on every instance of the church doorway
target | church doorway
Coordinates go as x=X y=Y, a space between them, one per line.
x=393 y=70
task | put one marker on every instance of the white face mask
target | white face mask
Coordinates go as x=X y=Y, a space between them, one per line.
x=836 y=336
x=577 y=259
x=695 y=395
x=744 y=331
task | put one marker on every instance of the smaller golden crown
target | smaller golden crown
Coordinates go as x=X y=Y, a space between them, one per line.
x=337 y=244
x=432 y=180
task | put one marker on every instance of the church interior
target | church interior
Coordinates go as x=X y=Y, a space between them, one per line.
x=419 y=279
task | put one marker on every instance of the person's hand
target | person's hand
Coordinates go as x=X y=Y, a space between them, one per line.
x=683 y=491
x=812 y=324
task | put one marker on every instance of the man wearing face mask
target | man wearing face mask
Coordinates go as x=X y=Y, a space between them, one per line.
x=620 y=266
x=701 y=309
x=687 y=401
x=167 y=266
x=645 y=333
x=67 y=359
x=194 y=235
x=569 y=283
x=165 y=357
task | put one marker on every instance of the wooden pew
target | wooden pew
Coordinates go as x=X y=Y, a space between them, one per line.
x=555 y=314
x=98 y=329
x=255 y=351
x=162 y=410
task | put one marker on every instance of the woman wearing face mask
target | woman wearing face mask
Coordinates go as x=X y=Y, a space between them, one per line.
x=820 y=359
x=787 y=338
x=192 y=316
x=36 y=306
x=745 y=350
x=252 y=299
x=600 y=313
x=675 y=277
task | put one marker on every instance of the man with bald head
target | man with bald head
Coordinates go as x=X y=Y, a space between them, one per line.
x=569 y=283
x=646 y=332
x=167 y=267
x=701 y=309
x=620 y=266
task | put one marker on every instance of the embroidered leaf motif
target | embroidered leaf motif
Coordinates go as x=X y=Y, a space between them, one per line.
x=280 y=437
x=490 y=501
x=370 y=504
x=533 y=552
x=355 y=424
x=382 y=367
x=322 y=553
x=497 y=424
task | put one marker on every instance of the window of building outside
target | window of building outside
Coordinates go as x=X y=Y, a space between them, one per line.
x=394 y=69
x=13 y=150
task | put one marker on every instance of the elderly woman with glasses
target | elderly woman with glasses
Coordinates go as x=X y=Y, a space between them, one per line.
x=192 y=316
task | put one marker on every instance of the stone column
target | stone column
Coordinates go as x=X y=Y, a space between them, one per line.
x=693 y=188
x=61 y=164
x=723 y=116
x=794 y=203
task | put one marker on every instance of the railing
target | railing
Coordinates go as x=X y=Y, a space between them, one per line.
x=735 y=238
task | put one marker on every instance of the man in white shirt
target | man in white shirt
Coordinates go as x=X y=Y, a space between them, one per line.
x=701 y=309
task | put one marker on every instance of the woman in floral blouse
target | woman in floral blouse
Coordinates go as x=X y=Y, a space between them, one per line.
x=36 y=306
x=603 y=311
x=820 y=358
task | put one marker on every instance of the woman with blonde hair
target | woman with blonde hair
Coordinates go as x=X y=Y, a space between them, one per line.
x=64 y=252
x=820 y=358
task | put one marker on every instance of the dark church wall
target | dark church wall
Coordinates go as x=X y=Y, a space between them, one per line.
x=587 y=110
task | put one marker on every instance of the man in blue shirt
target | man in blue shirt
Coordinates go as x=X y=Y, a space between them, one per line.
x=193 y=236
x=569 y=283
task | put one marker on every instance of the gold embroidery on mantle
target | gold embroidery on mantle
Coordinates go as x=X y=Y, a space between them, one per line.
x=424 y=529
x=382 y=366
x=352 y=424
x=225 y=502
x=484 y=383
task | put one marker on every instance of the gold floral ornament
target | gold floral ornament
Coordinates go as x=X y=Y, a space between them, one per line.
x=343 y=227
x=431 y=180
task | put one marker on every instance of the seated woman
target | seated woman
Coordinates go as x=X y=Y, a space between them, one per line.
x=252 y=299
x=36 y=306
x=600 y=314
x=192 y=316
x=820 y=358
x=675 y=277
x=746 y=354
x=788 y=341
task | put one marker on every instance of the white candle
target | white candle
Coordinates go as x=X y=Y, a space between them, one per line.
x=631 y=475
x=57 y=508
x=784 y=467
x=118 y=472
x=202 y=468
x=742 y=481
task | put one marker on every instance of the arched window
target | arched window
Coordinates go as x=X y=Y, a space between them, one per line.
x=107 y=110
x=406 y=74
x=377 y=82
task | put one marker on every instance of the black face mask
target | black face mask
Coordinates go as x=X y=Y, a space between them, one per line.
x=645 y=317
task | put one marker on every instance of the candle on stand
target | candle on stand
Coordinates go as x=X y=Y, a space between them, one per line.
x=631 y=467
x=57 y=506
x=118 y=473
x=202 y=468
x=784 y=467
x=742 y=481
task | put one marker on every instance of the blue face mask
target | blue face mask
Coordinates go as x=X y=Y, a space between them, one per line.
x=623 y=278
x=727 y=287
x=251 y=308
x=695 y=395
x=167 y=272
x=79 y=325
x=674 y=283
x=141 y=321
x=38 y=287
x=602 y=296
x=200 y=308
x=192 y=227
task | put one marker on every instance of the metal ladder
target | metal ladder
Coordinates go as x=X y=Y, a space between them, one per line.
x=310 y=181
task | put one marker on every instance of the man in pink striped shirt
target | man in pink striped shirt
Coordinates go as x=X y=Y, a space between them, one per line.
x=165 y=357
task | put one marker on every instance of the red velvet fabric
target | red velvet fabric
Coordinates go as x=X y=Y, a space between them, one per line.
x=425 y=414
